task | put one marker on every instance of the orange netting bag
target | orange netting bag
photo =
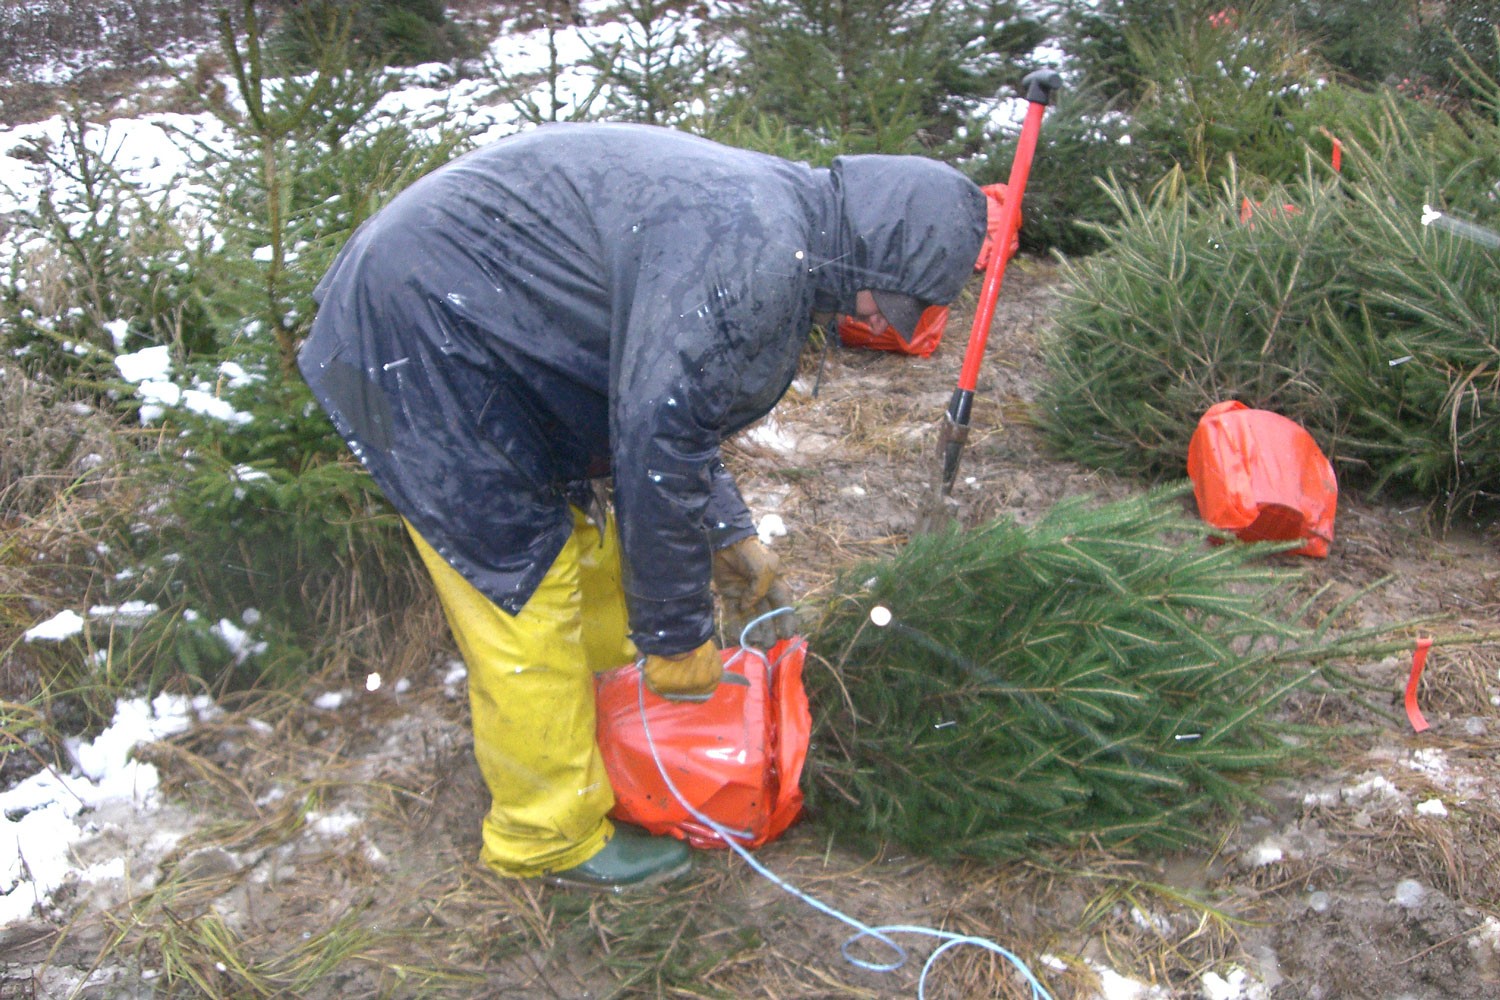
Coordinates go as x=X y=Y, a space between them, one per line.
x=1262 y=476
x=737 y=758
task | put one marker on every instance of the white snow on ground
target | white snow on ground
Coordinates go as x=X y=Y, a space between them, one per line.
x=769 y=433
x=43 y=816
x=1432 y=807
x=63 y=625
x=156 y=149
x=333 y=825
x=770 y=527
x=1267 y=852
x=1113 y=986
x=1237 y=985
x=455 y=680
x=330 y=701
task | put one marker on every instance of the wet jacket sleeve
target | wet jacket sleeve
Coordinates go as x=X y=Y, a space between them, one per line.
x=665 y=448
x=696 y=335
x=727 y=519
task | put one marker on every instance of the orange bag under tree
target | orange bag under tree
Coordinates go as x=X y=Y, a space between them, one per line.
x=929 y=332
x=737 y=758
x=1262 y=476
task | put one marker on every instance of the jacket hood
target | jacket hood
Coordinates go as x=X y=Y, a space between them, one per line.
x=907 y=224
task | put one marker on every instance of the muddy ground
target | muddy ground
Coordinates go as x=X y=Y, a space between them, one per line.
x=329 y=852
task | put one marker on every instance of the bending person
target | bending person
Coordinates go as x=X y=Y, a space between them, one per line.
x=591 y=301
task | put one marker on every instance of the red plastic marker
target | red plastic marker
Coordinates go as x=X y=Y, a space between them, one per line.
x=1418 y=661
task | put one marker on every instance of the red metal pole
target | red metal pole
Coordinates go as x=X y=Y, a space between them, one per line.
x=1039 y=89
x=1000 y=254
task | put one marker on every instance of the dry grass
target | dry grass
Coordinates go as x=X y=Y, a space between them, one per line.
x=1461 y=682
x=266 y=897
x=63 y=504
x=55 y=446
x=258 y=903
x=1458 y=854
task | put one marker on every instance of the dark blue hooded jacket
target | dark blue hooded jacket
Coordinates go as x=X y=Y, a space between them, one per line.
x=587 y=300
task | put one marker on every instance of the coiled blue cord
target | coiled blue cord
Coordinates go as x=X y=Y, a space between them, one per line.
x=880 y=934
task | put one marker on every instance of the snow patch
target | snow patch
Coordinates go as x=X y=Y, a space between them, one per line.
x=1267 y=852
x=771 y=435
x=1488 y=935
x=328 y=701
x=1409 y=894
x=1237 y=985
x=332 y=825
x=128 y=614
x=149 y=365
x=118 y=330
x=42 y=817
x=206 y=404
x=457 y=674
x=769 y=527
x=1430 y=761
x=1113 y=986
x=1377 y=786
x=1153 y=922
x=1436 y=766
x=63 y=625
x=237 y=640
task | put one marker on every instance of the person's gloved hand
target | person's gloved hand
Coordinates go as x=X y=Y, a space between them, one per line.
x=690 y=676
x=747 y=575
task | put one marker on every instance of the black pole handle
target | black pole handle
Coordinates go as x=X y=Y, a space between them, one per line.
x=1041 y=84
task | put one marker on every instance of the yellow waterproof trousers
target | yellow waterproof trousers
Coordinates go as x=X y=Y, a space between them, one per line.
x=531 y=692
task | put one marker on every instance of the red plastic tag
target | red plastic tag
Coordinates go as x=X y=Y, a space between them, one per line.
x=1418 y=661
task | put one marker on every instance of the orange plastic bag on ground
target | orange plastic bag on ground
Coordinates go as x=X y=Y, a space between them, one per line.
x=737 y=758
x=1262 y=476
x=924 y=340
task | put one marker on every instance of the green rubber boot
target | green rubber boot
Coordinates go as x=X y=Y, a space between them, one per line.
x=631 y=859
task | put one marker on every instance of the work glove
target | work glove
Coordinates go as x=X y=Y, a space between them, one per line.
x=747 y=575
x=690 y=676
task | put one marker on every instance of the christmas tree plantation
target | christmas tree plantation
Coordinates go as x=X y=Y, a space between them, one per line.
x=1106 y=677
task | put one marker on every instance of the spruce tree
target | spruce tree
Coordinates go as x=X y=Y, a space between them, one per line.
x=386 y=32
x=1326 y=300
x=872 y=76
x=1106 y=677
x=666 y=65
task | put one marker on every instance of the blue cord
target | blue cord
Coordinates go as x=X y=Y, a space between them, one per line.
x=880 y=934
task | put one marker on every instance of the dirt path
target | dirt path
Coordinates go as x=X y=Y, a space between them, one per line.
x=328 y=852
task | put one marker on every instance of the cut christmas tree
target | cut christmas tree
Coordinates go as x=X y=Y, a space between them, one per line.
x=1105 y=677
